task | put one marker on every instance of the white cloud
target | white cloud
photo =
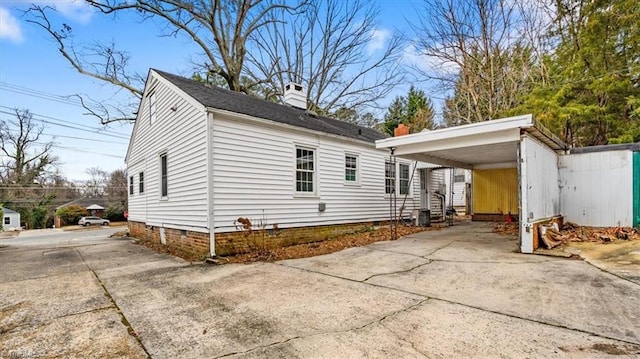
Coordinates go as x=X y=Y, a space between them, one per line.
x=9 y=26
x=76 y=10
x=378 y=39
x=428 y=64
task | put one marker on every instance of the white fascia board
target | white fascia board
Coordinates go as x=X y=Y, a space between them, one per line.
x=486 y=127
x=241 y=116
x=469 y=140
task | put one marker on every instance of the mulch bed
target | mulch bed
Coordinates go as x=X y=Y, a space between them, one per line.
x=324 y=247
x=296 y=251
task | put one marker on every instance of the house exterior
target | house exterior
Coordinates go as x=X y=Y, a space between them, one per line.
x=213 y=171
x=10 y=220
x=94 y=207
x=519 y=168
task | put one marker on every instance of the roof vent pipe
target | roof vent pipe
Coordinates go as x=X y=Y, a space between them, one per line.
x=294 y=96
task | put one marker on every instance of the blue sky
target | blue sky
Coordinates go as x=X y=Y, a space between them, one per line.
x=34 y=76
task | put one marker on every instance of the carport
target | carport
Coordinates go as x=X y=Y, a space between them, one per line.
x=493 y=150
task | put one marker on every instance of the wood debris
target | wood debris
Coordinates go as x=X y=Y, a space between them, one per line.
x=552 y=236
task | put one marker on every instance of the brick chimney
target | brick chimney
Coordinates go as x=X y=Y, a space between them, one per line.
x=401 y=130
x=294 y=96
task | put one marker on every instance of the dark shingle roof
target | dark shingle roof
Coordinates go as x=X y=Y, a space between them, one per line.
x=214 y=97
x=84 y=202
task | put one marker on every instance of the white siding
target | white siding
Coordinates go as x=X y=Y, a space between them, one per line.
x=254 y=177
x=596 y=188
x=543 y=193
x=182 y=135
x=13 y=219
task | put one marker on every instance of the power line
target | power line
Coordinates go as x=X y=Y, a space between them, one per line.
x=81 y=150
x=36 y=117
x=68 y=100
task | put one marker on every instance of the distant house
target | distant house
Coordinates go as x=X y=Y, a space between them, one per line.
x=203 y=162
x=94 y=207
x=10 y=220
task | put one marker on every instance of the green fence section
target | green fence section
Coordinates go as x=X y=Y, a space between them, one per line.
x=636 y=189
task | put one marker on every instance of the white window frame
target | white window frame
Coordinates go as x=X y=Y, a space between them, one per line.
x=314 y=173
x=400 y=179
x=164 y=177
x=396 y=179
x=7 y=220
x=131 y=188
x=355 y=182
x=141 y=182
x=392 y=188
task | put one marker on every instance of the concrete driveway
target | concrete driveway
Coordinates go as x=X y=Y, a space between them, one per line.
x=458 y=292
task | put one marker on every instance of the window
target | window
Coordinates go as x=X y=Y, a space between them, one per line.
x=131 y=185
x=305 y=170
x=404 y=178
x=458 y=175
x=152 y=108
x=141 y=182
x=163 y=175
x=351 y=168
x=7 y=220
x=389 y=177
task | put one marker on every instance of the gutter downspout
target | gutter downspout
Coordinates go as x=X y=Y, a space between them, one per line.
x=210 y=199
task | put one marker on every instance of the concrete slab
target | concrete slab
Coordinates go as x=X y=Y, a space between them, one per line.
x=358 y=263
x=209 y=312
x=96 y=334
x=437 y=329
x=458 y=292
x=566 y=293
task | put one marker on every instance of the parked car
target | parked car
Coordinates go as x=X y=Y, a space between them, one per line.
x=87 y=221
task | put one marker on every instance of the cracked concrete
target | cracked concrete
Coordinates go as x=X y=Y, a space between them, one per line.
x=458 y=292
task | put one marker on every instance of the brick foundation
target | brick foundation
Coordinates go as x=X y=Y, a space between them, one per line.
x=230 y=243
x=189 y=242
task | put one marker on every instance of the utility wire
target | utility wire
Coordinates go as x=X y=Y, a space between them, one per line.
x=85 y=129
x=68 y=100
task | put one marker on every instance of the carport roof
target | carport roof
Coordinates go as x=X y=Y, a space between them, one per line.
x=490 y=143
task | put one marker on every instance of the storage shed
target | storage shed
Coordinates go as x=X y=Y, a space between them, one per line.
x=10 y=220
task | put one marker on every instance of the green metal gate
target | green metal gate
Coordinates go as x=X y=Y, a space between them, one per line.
x=636 y=189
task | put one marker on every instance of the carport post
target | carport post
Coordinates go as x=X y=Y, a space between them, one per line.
x=526 y=230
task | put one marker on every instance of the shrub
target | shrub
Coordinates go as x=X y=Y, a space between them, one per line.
x=114 y=213
x=71 y=214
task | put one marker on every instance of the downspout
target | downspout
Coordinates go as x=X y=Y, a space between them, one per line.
x=210 y=196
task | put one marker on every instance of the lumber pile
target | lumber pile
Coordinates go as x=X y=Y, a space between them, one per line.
x=552 y=236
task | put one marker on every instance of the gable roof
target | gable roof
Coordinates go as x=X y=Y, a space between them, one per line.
x=6 y=210
x=84 y=202
x=218 y=98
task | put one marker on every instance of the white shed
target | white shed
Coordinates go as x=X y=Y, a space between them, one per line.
x=10 y=220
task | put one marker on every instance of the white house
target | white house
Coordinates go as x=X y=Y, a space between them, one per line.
x=10 y=220
x=201 y=158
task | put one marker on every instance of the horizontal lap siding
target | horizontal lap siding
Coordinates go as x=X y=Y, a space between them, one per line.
x=182 y=134
x=254 y=178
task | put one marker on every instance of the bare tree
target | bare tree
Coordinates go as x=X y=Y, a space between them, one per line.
x=335 y=49
x=116 y=189
x=220 y=29
x=25 y=169
x=482 y=51
x=26 y=157
x=96 y=185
